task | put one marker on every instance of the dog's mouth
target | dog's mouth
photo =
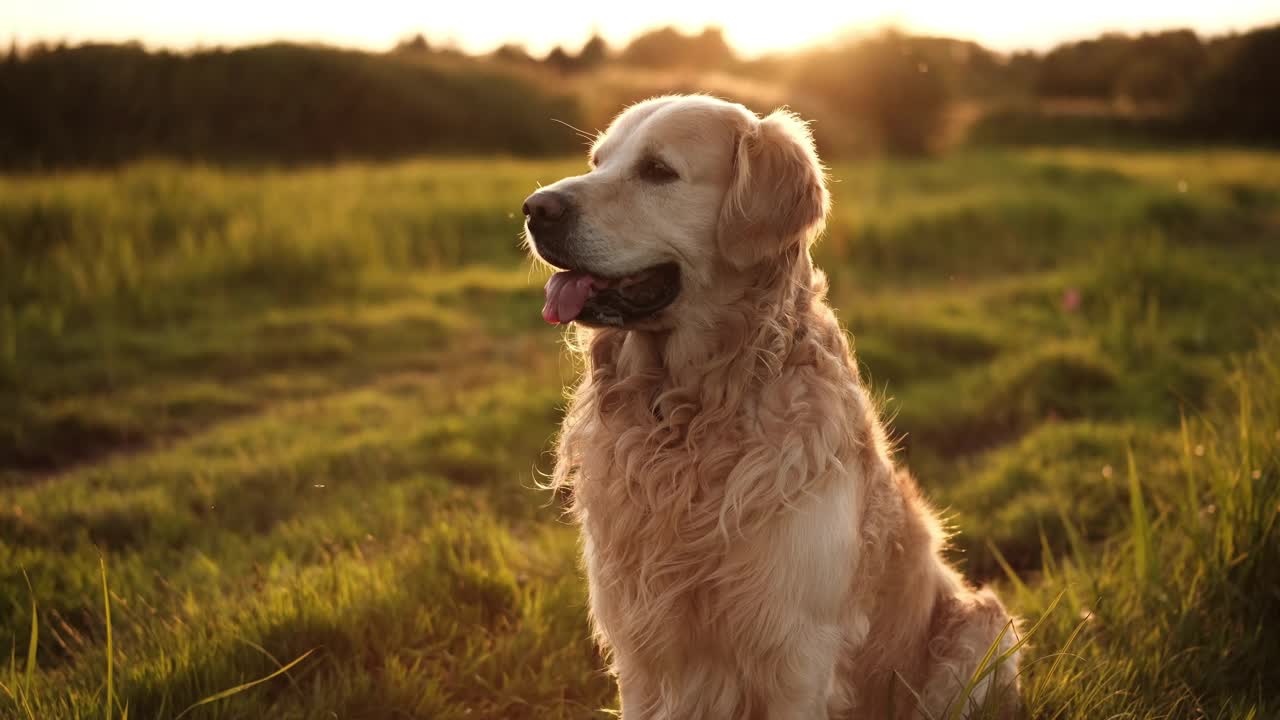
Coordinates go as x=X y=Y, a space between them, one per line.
x=581 y=296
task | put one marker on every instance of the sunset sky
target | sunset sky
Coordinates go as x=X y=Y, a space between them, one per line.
x=481 y=25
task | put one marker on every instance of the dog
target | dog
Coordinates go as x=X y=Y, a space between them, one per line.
x=751 y=550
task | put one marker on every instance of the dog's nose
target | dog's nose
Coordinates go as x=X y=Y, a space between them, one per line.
x=544 y=206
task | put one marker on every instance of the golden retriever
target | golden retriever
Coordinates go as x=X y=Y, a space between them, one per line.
x=751 y=550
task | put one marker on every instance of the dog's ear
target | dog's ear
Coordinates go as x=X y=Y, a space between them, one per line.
x=778 y=196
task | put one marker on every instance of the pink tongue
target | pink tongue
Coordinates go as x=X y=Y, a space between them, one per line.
x=566 y=293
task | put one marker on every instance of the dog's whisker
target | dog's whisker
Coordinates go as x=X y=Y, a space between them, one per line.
x=589 y=137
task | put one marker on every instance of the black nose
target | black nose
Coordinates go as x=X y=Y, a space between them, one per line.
x=545 y=207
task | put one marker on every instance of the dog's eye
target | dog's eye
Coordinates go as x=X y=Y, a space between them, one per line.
x=655 y=171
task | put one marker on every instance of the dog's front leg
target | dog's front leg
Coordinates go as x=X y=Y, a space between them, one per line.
x=800 y=683
x=640 y=697
x=790 y=608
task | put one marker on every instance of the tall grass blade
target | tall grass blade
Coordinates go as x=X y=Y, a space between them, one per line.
x=1018 y=585
x=1143 y=558
x=245 y=686
x=1074 y=539
x=1026 y=637
x=1049 y=566
x=1189 y=468
x=106 y=607
x=1066 y=647
x=1246 y=442
x=13 y=670
x=988 y=665
x=962 y=701
x=35 y=636
x=17 y=692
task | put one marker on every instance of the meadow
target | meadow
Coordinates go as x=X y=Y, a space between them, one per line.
x=288 y=426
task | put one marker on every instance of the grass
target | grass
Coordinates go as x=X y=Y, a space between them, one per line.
x=249 y=418
x=1175 y=606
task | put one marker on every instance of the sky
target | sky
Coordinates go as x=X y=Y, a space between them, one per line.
x=482 y=25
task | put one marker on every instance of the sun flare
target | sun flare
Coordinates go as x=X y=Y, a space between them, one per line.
x=482 y=26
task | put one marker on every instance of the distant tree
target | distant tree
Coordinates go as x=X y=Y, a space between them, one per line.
x=513 y=53
x=1162 y=67
x=656 y=48
x=667 y=47
x=560 y=60
x=966 y=67
x=1150 y=81
x=1180 y=50
x=1237 y=98
x=99 y=105
x=594 y=53
x=1158 y=67
x=415 y=45
x=1083 y=69
x=883 y=84
x=711 y=50
x=1021 y=70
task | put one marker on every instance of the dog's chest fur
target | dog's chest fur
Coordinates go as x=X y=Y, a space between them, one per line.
x=694 y=518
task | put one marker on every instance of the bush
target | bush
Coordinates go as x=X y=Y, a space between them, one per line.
x=883 y=84
x=104 y=104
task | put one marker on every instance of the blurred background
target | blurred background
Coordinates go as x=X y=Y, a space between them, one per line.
x=87 y=86
x=275 y=393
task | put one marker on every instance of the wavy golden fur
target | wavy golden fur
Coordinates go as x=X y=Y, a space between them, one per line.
x=751 y=549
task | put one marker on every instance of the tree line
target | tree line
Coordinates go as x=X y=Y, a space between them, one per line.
x=101 y=104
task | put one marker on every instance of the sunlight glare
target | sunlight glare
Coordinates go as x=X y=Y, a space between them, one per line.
x=482 y=26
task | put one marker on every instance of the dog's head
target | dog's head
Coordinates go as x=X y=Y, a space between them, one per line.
x=683 y=193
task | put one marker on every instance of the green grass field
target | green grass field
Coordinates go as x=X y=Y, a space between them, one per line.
x=291 y=414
